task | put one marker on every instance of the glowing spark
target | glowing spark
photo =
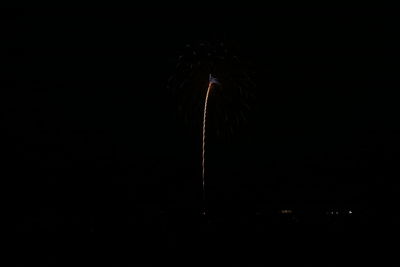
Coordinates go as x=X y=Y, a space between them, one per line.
x=211 y=82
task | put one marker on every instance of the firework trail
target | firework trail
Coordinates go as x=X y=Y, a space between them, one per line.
x=211 y=82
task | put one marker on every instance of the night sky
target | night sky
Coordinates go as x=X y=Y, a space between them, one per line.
x=91 y=131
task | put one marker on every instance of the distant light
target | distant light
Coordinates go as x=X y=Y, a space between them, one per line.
x=286 y=211
x=333 y=212
x=350 y=212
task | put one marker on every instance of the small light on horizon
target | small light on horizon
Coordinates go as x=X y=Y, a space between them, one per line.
x=286 y=211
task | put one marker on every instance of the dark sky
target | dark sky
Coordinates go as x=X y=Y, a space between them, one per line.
x=89 y=123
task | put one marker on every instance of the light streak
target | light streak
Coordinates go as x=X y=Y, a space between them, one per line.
x=211 y=82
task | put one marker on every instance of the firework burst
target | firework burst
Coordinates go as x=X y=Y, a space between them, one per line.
x=211 y=70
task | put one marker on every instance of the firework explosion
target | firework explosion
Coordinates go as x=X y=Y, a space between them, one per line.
x=228 y=82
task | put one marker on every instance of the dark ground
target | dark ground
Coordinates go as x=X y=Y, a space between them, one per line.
x=100 y=166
